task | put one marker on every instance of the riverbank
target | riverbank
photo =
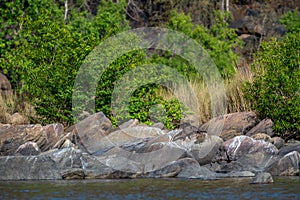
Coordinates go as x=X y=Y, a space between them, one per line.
x=233 y=145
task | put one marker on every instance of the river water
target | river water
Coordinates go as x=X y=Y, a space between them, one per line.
x=282 y=188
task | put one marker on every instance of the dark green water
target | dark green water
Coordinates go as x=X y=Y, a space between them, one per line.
x=283 y=188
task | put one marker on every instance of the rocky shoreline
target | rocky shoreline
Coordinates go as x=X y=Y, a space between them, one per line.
x=233 y=145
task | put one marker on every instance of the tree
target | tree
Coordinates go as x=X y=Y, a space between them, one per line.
x=44 y=64
x=219 y=40
x=275 y=90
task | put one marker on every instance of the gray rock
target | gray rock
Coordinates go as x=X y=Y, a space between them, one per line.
x=264 y=126
x=28 y=168
x=158 y=125
x=289 y=148
x=182 y=168
x=154 y=157
x=236 y=174
x=254 y=162
x=241 y=145
x=53 y=133
x=67 y=144
x=126 y=137
x=288 y=165
x=186 y=132
x=28 y=149
x=262 y=178
x=129 y=123
x=12 y=137
x=75 y=164
x=230 y=125
x=205 y=151
x=278 y=142
x=91 y=130
x=191 y=169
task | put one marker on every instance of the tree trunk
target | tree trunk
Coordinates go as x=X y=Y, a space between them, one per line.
x=227 y=5
x=222 y=6
x=66 y=10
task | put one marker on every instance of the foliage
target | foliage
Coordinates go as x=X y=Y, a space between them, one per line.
x=44 y=65
x=292 y=21
x=219 y=41
x=13 y=14
x=275 y=90
x=134 y=82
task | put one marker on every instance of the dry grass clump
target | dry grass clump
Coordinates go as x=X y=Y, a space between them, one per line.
x=14 y=110
x=201 y=105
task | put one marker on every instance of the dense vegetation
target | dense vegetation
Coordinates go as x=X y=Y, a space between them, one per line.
x=44 y=43
x=275 y=92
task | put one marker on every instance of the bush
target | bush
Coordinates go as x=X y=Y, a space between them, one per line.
x=275 y=91
x=219 y=41
x=43 y=66
x=48 y=52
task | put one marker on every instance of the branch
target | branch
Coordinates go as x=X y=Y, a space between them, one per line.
x=66 y=10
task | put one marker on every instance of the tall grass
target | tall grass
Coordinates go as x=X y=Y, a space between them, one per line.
x=12 y=103
x=235 y=100
x=7 y=105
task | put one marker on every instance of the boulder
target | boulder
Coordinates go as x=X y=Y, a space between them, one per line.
x=67 y=144
x=240 y=145
x=28 y=168
x=12 y=137
x=75 y=164
x=183 y=168
x=253 y=162
x=262 y=178
x=91 y=130
x=235 y=174
x=230 y=125
x=264 y=126
x=143 y=160
x=190 y=168
x=28 y=149
x=289 y=148
x=128 y=124
x=278 y=142
x=53 y=134
x=205 y=151
x=288 y=165
x=159 y=125
x=186 y=131
x=66 y=163
x=125 y=137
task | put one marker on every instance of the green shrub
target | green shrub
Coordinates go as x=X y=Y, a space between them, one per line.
x=291 y=20
x=275 y=92
x=219 y=41
x=44 y=65
x=48 y=51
